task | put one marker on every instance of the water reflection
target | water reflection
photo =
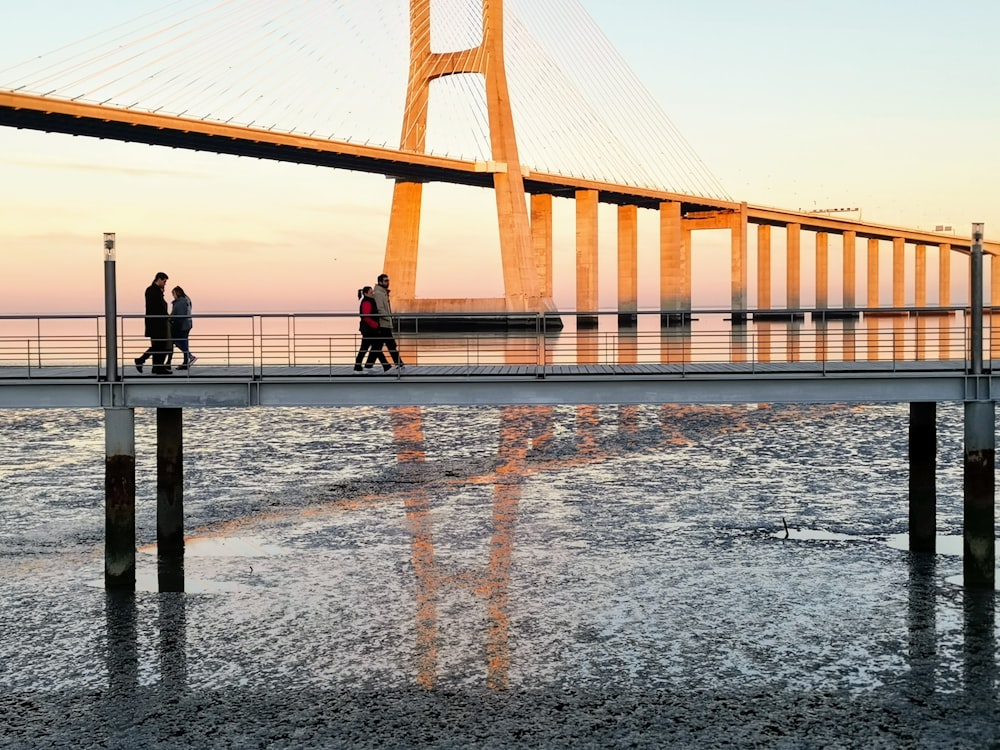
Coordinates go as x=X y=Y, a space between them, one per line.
x=121 y=660
x=172 y=615
x=979 y=645
x=922 y=625
x=170 y=571
x=521 y=428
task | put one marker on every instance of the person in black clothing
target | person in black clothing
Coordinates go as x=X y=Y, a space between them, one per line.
x=157 y=327
x=371 y=341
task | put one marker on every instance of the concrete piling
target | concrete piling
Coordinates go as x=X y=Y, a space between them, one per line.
x=169 y=482
x=119 y=498
x=979 y=542
x=923 y=476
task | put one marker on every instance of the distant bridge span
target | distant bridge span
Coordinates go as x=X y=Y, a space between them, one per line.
x=30 y=112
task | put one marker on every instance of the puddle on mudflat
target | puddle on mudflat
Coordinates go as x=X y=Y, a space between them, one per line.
x=944 y=545
x=815 y=535
x=222 y=547
x=170 y=577
x=150 y=583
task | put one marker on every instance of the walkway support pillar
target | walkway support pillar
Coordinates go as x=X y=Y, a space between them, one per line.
x=979 y=543
x=979 y=535
x=923 y=476
x=169 y=482
x=119 y=499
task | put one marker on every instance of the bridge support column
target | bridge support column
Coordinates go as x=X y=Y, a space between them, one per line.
x=920 y=276
x=675 y=268
x=738 y=265
x=872 y=273
x=403 y=241
x=822 y=270
x=944 y=275
x=586 y=258
x=793 y=262
x=119 y=499
x=850 y=269
x=923 y=476
x=541 y=239
x=898 y=272
x=979 y=542
x=169 y=483
x=763 y=267
x=628 y=279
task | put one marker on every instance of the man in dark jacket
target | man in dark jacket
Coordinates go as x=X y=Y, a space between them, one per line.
x=157 y=327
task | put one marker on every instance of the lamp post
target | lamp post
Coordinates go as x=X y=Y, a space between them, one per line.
x=976 y=299
x=110 y=310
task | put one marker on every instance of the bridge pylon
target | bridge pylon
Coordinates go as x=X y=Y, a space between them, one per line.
x=523 y=290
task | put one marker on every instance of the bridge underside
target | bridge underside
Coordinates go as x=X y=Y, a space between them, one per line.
x=98 y=122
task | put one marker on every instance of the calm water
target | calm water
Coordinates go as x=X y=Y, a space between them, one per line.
x=493 y=577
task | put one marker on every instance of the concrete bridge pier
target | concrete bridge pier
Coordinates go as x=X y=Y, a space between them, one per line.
x=586 y=258
x=119 y=499
x=979 y=541
x=628 y=277
x=923 y=476
x=170 y=494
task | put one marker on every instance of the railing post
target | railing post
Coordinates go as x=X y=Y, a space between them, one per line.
x=110 y=310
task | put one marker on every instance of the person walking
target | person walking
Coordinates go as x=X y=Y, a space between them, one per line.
x=385 y=322
x=180 y=326
x=157 y=328
x=371 y=342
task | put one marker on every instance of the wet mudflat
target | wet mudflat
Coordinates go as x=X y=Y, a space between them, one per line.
x=580 y=577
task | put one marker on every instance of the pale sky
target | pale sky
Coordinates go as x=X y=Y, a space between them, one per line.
x=887 y=106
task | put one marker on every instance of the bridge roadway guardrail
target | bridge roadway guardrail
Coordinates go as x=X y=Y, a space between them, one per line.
x=318 y=347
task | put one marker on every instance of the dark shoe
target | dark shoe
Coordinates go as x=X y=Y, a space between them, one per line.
x=357 y=368
x=138 y=364
x=386 y=368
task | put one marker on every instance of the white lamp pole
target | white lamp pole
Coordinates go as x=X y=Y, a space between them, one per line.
x=110 y=309
x=976 y=299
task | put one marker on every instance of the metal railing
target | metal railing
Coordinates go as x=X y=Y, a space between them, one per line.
x=325 y=344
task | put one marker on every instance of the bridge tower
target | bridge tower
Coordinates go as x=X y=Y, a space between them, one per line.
x=522 y=283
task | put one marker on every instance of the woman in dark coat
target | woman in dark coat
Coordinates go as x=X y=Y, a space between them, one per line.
x=371 y=341
x=157 y=328
x=181 y=324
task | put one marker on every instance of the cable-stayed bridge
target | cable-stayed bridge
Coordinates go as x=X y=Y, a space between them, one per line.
x=528 y=99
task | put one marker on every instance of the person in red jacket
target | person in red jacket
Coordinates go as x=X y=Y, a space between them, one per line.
x=371 y=341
